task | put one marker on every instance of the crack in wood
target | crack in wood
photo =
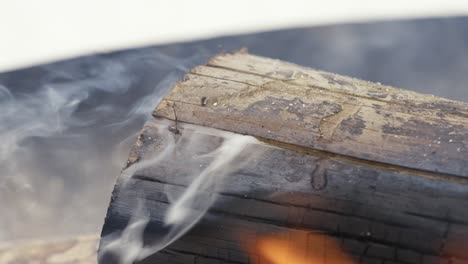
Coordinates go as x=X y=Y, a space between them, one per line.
x=330 y=123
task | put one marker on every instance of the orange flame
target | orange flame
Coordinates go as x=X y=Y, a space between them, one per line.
x=298 y=247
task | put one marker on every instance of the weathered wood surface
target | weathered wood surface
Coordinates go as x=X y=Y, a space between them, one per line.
x=284 y=102
x=380 y=171
x=77 y=250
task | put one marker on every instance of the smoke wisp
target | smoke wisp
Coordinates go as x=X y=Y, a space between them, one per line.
x=65 y=137
x=209 y=168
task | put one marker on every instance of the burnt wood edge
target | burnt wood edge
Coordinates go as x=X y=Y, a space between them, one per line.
x=358 y=161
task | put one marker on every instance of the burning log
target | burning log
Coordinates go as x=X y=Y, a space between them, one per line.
x=333 y=170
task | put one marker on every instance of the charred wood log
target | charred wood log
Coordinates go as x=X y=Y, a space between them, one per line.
x=377 y=173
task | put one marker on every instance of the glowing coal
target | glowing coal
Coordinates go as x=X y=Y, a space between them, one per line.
x=299 y=247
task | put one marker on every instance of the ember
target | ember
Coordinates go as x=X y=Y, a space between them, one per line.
x=299 y=247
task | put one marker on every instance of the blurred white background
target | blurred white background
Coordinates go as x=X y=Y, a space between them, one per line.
x=35 y=32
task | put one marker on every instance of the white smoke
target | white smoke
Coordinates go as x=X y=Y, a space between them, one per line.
x=64 y=138
x=129 y=245
x=188 y=207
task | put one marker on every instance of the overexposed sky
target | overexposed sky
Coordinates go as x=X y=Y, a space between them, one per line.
x=35 y=32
